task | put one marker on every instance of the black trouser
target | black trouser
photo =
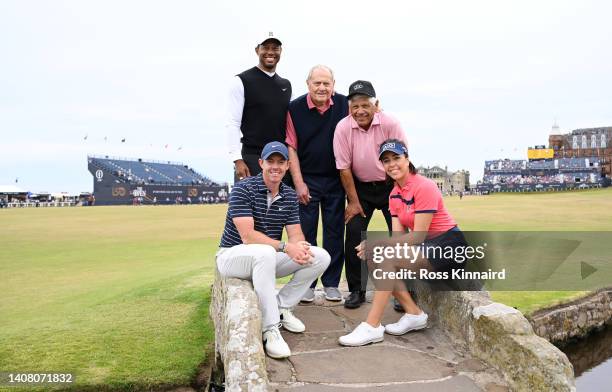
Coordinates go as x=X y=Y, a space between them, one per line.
x=372 y=196
x=327 y=195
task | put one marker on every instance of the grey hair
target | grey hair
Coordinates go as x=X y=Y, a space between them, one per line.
x=373 y=100
x=320 y=66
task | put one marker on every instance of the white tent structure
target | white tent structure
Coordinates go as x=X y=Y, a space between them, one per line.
x=13 y=196
x=11 y=193
x=11 y=190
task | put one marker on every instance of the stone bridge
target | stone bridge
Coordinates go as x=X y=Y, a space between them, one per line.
x=471 y=344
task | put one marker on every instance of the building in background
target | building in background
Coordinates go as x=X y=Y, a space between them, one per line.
x=137 y=181
x=578 y=159
x=448 y=182
x=584 y=143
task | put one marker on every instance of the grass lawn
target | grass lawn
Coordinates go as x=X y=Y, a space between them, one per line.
x=119 y=295
x=589 y=210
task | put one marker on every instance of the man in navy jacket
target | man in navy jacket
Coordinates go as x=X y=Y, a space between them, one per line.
x=311 y=122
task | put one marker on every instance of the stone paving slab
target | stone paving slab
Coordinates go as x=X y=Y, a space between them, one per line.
x=318 y=319
x=425 y=360
x=300 y=343
x=430 y=340
x=455 y=383
x=279 y=370
x=354 y=317
x=377 y=363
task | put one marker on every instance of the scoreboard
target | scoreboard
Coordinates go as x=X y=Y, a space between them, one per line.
x=539 y=152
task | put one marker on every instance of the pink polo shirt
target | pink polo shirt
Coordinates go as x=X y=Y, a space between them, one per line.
x=420 y=195
x=291 y=138
x=357 y=149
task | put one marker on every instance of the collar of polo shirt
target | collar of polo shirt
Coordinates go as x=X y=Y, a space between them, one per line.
x=262 y=188
x=375 y=121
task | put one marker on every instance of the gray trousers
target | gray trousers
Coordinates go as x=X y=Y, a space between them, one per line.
x=262 y=264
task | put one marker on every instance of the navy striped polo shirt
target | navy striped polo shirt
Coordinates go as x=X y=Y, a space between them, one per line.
x=249 y=197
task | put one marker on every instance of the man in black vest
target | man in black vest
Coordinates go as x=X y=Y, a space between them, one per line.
x=311 y=122
x=258 y=104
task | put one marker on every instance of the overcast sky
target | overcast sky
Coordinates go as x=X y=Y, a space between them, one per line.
x=469 y=80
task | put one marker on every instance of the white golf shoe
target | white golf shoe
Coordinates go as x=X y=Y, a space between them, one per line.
x=290 y=322
x=408 y=322
x=362 y=335
x=274 y=344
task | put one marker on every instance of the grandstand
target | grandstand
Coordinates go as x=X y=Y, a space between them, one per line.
x=580 y=159
x=524 y=175
x=128 y=181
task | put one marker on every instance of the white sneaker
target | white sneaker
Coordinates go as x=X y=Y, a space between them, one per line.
x=362 y=335
x=274 y=344
x=408 y=322
x=290 y=322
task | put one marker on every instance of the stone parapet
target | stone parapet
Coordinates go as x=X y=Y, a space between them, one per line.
x=496 y=334
x=500 y=336
x=239 y=353
x=574 y=319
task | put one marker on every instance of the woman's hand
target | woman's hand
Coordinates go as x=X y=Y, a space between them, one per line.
x=361 y=250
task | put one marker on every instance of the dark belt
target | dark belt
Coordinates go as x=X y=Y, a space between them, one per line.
x=372 y=184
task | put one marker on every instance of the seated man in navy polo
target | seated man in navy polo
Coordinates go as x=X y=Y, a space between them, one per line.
x=251 y=247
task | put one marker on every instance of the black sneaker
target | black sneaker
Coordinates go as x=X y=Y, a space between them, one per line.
x=354 y=300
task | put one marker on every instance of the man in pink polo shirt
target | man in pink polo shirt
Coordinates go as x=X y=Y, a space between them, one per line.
x=356 y=142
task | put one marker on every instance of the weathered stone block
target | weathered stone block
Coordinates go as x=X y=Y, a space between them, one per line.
x=576 y=319
x=237 y=319
x=501 y=337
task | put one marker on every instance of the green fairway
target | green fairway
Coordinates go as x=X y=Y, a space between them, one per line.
x=589 y=210
x=545 y=211
x=119 y=295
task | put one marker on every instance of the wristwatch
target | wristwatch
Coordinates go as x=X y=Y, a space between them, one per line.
x=281 y=246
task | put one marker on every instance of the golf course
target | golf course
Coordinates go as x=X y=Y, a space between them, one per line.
x=119 y=296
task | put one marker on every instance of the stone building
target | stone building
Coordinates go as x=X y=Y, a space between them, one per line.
x=448 y=182
x=584 y=142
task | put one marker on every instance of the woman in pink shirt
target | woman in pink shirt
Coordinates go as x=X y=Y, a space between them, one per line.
x=415 y=204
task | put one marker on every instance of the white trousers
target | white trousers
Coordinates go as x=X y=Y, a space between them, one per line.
x=262 y=264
